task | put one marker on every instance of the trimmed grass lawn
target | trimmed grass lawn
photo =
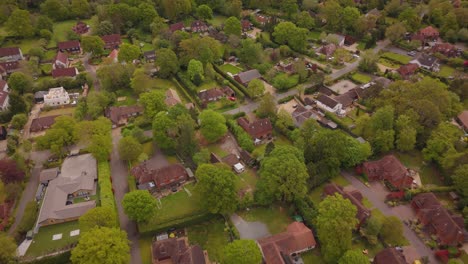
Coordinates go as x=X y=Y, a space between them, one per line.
x=360 y=78
x=61 y=29
x=43 y=243
x=279 y=140
x=130 y=98
x=145 y=249
x=207 y=85
x=388 y=63
x=211 y=236
x=446 y=71
x=60 y=111
x=230 y=68
x=400 y=58
x=246 y=179
x=313 y=257
x=164 y=84
x=275 y=217
x=216 y=149
x=361 y=244
x=316 y=194
x=428 y=172
x=172 y=207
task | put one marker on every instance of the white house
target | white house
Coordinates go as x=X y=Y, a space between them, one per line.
x=4 y=95
x=56 y=96
x=329 y=104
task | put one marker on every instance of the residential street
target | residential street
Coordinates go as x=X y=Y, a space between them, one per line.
x=410 y=235
x=252 y=105
x=119 y=182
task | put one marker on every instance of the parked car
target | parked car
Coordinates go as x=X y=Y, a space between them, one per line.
x=412 y=53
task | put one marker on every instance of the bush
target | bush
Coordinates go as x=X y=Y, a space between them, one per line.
x=29 y=218
x=105 y=185
x=284 y=82
x=244 y=139
x=285 y=99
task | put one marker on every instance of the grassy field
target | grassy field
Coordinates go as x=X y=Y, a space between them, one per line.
x=279 y=140
x=275 y=217
x=211 y=236
x=361 y=244
x=402 y=59
x=446 y=71
x=43 y=243
x=216 y=149
x=59 y=111
x=361 y=78
x=130 y=98
x=163 y=84
x=230 y=68
x=316 y=193
x=427 y=172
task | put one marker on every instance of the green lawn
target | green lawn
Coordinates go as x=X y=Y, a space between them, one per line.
x=145 y=249
x=43 y=243
x=162 y=83
x=58 y=111
x=313 y=257
x=315 y=35
x=400 y=58
x=61 y=29
x=428 y=172
x=216 y=149
x=279 y=140
x=361 y=78
x=246 y=179
x=206 y=85
x=388 y=63
x=361 y=244
x=446 y=71
x=211 y=236
x=230 y=68
x=316 y=193
x=130 y=98
x=217 y=21
x=275 y=217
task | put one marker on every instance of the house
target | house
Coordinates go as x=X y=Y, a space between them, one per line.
x=66 y=72
x=111 y=41
x=445 y=49
x=218 y=35
x=78 y=179
x=72 y=46
x=427 y=62
x=438 y=221
x=283 y=247
x=286 y=66
x=42 y=123
x=215 y=94
x=177 y=26
x=172 y=98
x=338 y=39
x=119 y=115
x=462 y=119
x=258 y=130
x=328 y=49
x=177 y=250
x=3 y=133
x=373 y=12
x=162 y=178
x=355 y=197
x=301 y=114
x=61 y=61
x=262 y=20
x=150 y=56
x=406 y=71
x=347 y=99
x=8 y=67
x=246 y=25
x=114 y=55
x=11 y=54
x=48 y=174
x=198 y=26
x=80 y=28
x=56 y=96
x=349 y=40
x=389 y=169
x=429 y=33
x=385 y=82
x=233 y=161
x=245 y=77
x=329 y=104
x=389 y=256
x=246 y=158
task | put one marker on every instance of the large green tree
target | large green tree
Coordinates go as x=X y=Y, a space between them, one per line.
x=8 y=249
x=102 y=216
x=20 y=82
x=267 y=106
x=212 y=125
x=395 y=32
x=139 y=205
x=128 y=52
x=102 y=245
x=19 y=24
x=176 y=8
x=304 y=20
x=460 y=179
x=392 y=231
x=167 y=62
x=242 y=252
x=93 y=44
x=80 y=8
x=153 y=102
x=336 y=221
x=204 y=12
x=290 y=34
x=195 y=70
x=97 y=135
x=250 y=51
x=61 y=134
x=205 y=49
x=354 y=257
x=56 y=9
x=164 y=131
x=115 y=76
x=232 y=26
x=129 y=149
x=256 y=88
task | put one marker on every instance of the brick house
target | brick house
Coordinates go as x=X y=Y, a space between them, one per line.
x=215 y=94
x=111 y=41
x=72 y=46
x=429 y=33
x=8 y=67
x=406 y=71
x=462 y=120
x=389 y=169
x=246 y=25
x=42 y=123
x=119 y=115
x=177 y=26
x=258 y=130
x=80 y=28
x=445 y=49
x=161 y=178
x=177 y=250
x=389 y=256
x=11 y=54
x=61 y=61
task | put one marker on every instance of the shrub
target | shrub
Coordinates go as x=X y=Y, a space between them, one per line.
x=244 y=139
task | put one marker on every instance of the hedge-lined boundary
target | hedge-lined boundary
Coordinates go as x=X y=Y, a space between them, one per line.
x=189 y=88
x=105 y=185
x=177 y=223
x=239 y=94
x=244 y=139
x=232 y=81
x=181 y=90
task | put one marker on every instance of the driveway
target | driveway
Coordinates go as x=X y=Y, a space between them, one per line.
x=249 y=230
x=252 y=105
x=376 y=200
x=119 y=174
x=92 y=72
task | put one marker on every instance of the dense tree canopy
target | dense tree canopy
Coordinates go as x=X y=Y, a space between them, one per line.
x=167 y=62
x=212 y=125
x=19 y=24
x=242 y=252
x=102 y=216
x=129 y=149
x=204 y=49
x=139 y=205
x=290 y=34
x=93 y=44
x=20 y=82
x=153 y=102
x=8 y=249
x=354 y=257
x=204 y=12
x=128 y=52
x=232 y=26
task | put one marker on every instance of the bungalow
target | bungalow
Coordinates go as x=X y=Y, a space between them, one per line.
x=177 y=26
x=215 y=94
x=448 y=228
x=282 y=248
x=56 y=97
x=177 y=250
x=329 y=104
x=42 y=123
x=11 y=54
x=218 y=35
x=80 y=28
x=111 y=41
x=246 y=25
x=172 y=98
x=285 y=66
x=245 y=77
x=162 y=178
x=72 y=46
x=258 y=130
x=406 y=71
x=355 y=197
x=389 y=256
x=65 y=72
x=78 y=179
x=429 y=33
x=8 y=67
x=199 y=26
x=150 y=56
x=445 y=49
x=119 y=115
x=246 y=158
x=328 y=49
x=301 y=114
x=462 y=119
x=61 y=61
x=388 y=169
x=347 y=99
x=427 y=62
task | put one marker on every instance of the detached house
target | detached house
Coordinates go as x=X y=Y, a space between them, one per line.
x=42 y=123
x=119 y=115
x=159 y=179
x=329 y=104
x=177 y=26
x=427 y=62
x=462 y=120
x=215 y=94
x=389 y=169
x=445 y=49
x=428 y=34
x=172 y=98
x=72 y=46
x=61 y=61
x=65 y=72
x=389 y=256
x=199 y=26
x=245 y=77
x=448 y=228
x=80 y=28
x=408 y=70
x=112 y=41
x=177 y=250
x=56 y=97
x=246 y=25
x=8 y=67
x=258 y=130
x=328 y=49
x=11 y=54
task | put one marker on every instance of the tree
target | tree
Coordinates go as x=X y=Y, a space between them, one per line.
x=17 y=104
x=164 y=131
x=460 y=179
x=140 y=82
x=153 y=102
x=195 y=68
x=80 y=8
x=18 y=121
x=115 y=76
x=350 y=16
x=304 y=20
x=19 y=24
x=139 y=205
x=93 y=44
x=284 y=122
x=129 y=149
x=336 y=221
x=250 y=52
x=283 y=176
x=205 y=49
x=8 y=249
x=212 y=125
x=267 y=106
x=97 y=102
x=256 y=88
x=332 y=11
x=242 y=252
x=288 y=33
x=128 y=52
x=368 y=61
x=203 y=156
x=102 y=245
x=44 y=22
x=204 y=12
x=371 y=230
x=232 y=26
x=103 y=216
x=354 y=257
x=289 y=7
x=410 y=18
x=105 y=28
x=392 y=231
x=55 y=9
x=167 y=62
x=97 y=135
x=441 y=142
x=395 y=32
x=406 y=133
x=20 y=82
x=176 y=8
x=146 y=15
x=61 y=134
x=232 y=8
x=217 y=186
x=10 y=171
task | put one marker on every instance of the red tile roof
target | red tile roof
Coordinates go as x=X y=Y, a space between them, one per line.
x=176 y=26
x=389 y=256
x=8 y=67
x=116 y=113
x=408 y=69
x=42 y=123
x=257 y=129
x=176 y=250
x=388 y=168
x=114 y=38
x=463 y=118
x=72 y=44
x=429 y=32
x=62 y=57
x=5 y=52
x=3 y=97
x=65 y=72
x=161 y=177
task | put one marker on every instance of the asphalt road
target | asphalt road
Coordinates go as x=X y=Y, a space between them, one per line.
x=119 y=174
x=410 y=235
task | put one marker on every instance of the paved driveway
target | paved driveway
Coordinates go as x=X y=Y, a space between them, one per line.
x=249 y=230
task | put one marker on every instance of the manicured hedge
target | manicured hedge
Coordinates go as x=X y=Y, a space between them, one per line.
x=244 y=139
x=189 y=87
x=232 y=81
x=184 y=92
x=177 y=223
x=105 y=185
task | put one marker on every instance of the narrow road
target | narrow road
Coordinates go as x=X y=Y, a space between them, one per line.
x=252 y=105
x=119 y=174
x=410 y=235
x=92 y=72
